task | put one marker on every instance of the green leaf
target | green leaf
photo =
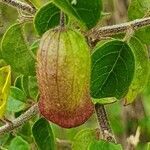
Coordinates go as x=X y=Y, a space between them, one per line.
x=139 y=9
x=46 y=18
x=148 y=146
x=104 y=145
x=26 y=129
x=144 y=35
x=16 y=100
x=112 y=70
x=43 y=135
x=141 y=69
x=28 y=85
x=19 y=144
x=2 y=63
x=15 y=51
x=24 y=83
x=17 y=94
x=86 y=12
x=83 y=139
x=4 y=138
x=33 y=88
x=15 y=105
x=21 y=82
x=104 y=101
x=25 y=132
x=18 y=83
x=34 y=46
x=36 y=3
x=9 y=139
x=5 y=81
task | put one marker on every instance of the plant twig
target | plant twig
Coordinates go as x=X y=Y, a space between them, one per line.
x=20 y=5
x=62 y=19
x=105 y=127
x=108 y=31
x=96 y=33
x=30 y=3
x=32 y=111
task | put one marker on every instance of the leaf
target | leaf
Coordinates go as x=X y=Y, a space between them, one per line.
x=2 y=63
x=83 y=138
x=28 y=85
x=104 y=145
x=25 y=132
x=18 y=83
x=21 y=82
x=17 y=94
x=139 y=9
x=46 y=18
x=15 y=105
x=9 y=139
x=141 y=69
x=86 y=12
x=16 y=100
x=34 y=46
x=43 y=135
x=104 y=101
x=5 y=81
x=24 y=83
x=4 y=138
x=148 y=146
x=33 y=88
x=112 y=70
x=36 y=3
x=15 y=51
x=144 y=35
x=19 y=144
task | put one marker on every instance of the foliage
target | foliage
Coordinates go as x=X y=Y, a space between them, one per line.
x=47 y=17
x=83 y=139
x=112 y=69
x=5 y=81
x=42 y=130
x=96 y=145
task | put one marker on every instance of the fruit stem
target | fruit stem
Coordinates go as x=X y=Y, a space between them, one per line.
x=62 y=19
x=104 y=124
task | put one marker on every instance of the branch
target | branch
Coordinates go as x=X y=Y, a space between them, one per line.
x=104 y=123
x=20 y=5
x=62 y=19
x=107 y=31
x=20 y=120
x=96 y=33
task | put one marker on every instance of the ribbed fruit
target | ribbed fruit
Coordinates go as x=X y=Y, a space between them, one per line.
x=63 y=72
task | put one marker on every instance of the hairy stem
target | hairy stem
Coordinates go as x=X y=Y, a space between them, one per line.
x=108 y=31
x=20 y=120
x=104 y=124
x=62 y=19
x=20 y=5
x=98 y=32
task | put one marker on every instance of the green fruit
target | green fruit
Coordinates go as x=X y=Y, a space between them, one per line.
x=63 y=72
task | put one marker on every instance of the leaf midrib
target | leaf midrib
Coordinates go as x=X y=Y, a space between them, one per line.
x=110 y=70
